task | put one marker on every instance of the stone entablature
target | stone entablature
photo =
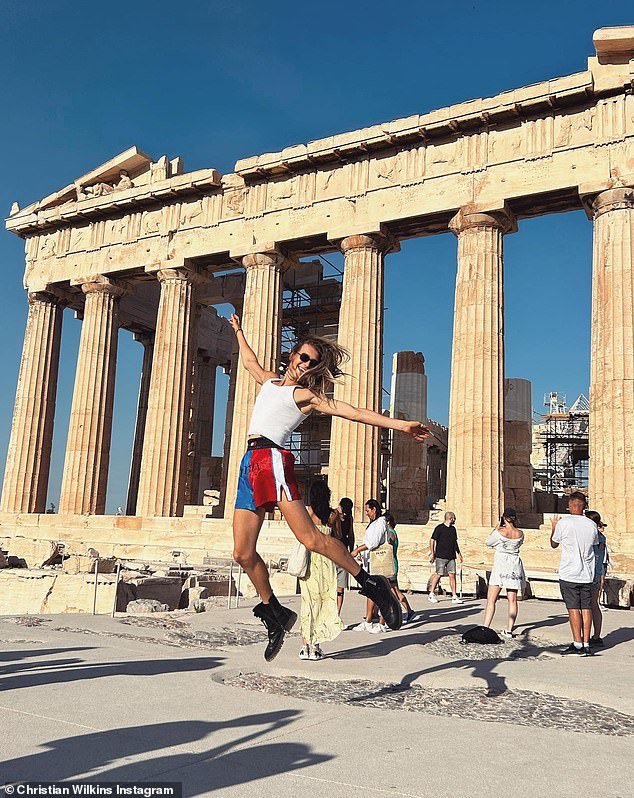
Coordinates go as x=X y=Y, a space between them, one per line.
x=537 y=149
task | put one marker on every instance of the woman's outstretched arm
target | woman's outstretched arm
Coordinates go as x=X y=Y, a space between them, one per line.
x=248 y=356
x=361 y=415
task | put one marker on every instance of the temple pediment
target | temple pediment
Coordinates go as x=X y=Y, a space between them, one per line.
x=130 y=169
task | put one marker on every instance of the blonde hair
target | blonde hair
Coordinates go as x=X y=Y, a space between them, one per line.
x=321 y=377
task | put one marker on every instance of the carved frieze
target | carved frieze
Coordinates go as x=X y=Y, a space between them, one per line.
x=151 y=223
x=191 y=214
x=539 y=136
x=412 y=162
x=442 y=157
x=47 y=246
x=612 y=122
x=306 y=187
x=280 y=193
x=256 y=199
x=358 y=177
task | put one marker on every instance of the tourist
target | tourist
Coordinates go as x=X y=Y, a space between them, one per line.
x=508 y=571
x=600 y=568
x=577 y=536
x=392 y=539
x=318 y=614
x=345 y=510
x=443 y=550
x=375 y=535
x=267 y=477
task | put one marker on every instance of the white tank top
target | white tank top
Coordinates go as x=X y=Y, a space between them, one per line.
x=275 y=414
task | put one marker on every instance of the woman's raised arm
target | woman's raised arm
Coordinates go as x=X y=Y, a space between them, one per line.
x=248 y=356
x=332 y=407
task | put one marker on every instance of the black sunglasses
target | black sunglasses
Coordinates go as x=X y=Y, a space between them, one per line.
x=305 y=358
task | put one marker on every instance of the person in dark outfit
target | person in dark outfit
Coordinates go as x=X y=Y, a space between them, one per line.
x=443 y=550
x=347 y=538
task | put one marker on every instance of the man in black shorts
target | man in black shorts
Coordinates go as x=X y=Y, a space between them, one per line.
x=577 y=536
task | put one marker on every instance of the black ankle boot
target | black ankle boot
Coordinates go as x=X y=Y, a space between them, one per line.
x=278 y=620
x=377 y=588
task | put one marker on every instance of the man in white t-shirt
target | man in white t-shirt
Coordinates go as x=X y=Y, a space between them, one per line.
x=577 y=536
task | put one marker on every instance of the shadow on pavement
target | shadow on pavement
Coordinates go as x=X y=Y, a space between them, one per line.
x=84 y=671
x=105 y=756
x=15 y=656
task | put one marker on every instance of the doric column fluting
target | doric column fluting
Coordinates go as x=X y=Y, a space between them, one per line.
x=85 y=477
x=353 y=465
x=476 y=406
x=611 y=485
x=163 y=464
x=29 y=455
x=147 y=341
x=262 y=324
x=201 y=426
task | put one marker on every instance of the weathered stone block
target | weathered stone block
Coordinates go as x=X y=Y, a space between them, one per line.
x=146 y=606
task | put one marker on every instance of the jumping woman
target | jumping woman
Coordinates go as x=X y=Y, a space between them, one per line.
x=267 y=477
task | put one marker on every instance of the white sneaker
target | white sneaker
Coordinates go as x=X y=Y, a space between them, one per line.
x=431 y=597
x=457 y=600
x=507 y=634
x=364 y=626
x=377 y=628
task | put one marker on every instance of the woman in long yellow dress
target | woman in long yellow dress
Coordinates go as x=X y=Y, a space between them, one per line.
x=319 y=616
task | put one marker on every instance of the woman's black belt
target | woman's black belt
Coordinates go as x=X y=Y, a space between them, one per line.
x=262 y=443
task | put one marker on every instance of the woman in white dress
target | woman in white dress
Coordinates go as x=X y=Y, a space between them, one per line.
x=508 y=570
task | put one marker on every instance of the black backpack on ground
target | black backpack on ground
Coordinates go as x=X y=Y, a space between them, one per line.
x=481 y=634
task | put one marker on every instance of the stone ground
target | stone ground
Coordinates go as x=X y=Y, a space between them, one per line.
x=189 y=698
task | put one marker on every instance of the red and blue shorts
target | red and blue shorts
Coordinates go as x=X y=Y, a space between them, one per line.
x=266 y=472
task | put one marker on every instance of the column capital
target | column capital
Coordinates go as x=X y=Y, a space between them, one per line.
x=180 y=274
x=382 y=242
x=470 y=217
x=264 y=260
x=613 y=199
x=44 y=296
x=100 y=284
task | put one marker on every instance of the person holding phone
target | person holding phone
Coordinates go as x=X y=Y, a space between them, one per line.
x=508 y=569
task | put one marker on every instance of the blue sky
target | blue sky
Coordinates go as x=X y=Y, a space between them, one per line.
x=217 y=81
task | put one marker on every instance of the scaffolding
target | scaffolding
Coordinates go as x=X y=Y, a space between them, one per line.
x=310 y=306
x=563 y=435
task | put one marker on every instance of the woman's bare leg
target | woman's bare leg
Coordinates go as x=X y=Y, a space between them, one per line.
x=246 y=528
x=492 y=596
x=340 y=594
x=511 y=598
x=597 y=617
x=296 y=516
x=401 y=597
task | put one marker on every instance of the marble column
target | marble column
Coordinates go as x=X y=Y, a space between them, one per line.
x=353 y=465
x=163 y=463
x=408 y=462
x=147 y=341
x=29 y=455
x=85 y=475
x=262 y=324
x=476 y=406
x=232 y=369
x=202 y=426
x=611 y=485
